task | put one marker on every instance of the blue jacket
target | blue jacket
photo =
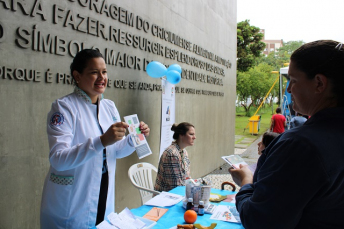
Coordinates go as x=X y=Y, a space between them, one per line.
x=71 y=189
x=299 y=180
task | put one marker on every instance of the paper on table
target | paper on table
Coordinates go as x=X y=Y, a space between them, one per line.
x=226 y=213
x=125 y=220
x=230 y=198
x=113 y=217
x=155 y=213
x=126 y=213
x=105 y=225
x=141 y=145
x=210 y=209
x=165 y=199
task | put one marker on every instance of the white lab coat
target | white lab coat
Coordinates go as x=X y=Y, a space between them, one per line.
x=71 y=188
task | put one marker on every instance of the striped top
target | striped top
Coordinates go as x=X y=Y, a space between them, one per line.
x=174 y=167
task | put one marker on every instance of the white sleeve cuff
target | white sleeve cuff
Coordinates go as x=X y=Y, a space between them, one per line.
x=98 y=145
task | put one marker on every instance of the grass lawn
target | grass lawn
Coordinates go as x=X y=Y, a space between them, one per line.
x=242 y=121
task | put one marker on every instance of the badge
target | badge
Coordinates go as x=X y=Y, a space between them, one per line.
x=56 y=119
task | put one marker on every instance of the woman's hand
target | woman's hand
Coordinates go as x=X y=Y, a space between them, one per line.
x=144 y=129
x=242 y=176
x=115 y=133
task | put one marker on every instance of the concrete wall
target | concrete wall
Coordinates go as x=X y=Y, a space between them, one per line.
x=38 y=39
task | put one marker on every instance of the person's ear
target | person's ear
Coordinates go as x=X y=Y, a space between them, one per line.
x=76 y=76
x=321 y=83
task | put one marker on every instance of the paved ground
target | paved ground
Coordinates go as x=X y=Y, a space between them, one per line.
x=245 y=147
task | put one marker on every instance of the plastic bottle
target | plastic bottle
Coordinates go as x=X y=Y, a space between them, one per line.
x=201 y=208
x=189 y=205
x=188 y=187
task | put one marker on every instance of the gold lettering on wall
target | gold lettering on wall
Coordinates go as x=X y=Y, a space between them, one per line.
x=201 y=65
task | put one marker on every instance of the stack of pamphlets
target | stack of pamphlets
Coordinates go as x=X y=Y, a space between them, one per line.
x=125 y=220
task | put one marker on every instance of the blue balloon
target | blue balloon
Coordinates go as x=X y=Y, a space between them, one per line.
x=156 y=69
x=175 y=67
x=173 y=76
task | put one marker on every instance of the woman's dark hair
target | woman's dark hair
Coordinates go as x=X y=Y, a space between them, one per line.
x=268 y=137
x=323 y=57
x=81 y=59
x=180 y=129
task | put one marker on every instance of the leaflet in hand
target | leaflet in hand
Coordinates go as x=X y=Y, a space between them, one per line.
x=138 y=139
x=234 y=160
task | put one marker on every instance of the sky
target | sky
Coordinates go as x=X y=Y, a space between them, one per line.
x=294 y=20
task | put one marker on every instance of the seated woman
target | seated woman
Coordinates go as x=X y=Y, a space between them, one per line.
x=174 y=165
x=266 y=139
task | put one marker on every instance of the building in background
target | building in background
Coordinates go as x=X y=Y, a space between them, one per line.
x=271 y=45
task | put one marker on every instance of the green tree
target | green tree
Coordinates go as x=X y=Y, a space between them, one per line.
x=281 y=56
x=278 y=58
x=249 y=45
x=275 y=60
x=255 y=84
x=289 y=47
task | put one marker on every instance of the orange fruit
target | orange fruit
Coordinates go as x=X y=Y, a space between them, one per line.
x=190 y=216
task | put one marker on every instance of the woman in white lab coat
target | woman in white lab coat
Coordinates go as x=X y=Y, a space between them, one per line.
x=86 y=136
